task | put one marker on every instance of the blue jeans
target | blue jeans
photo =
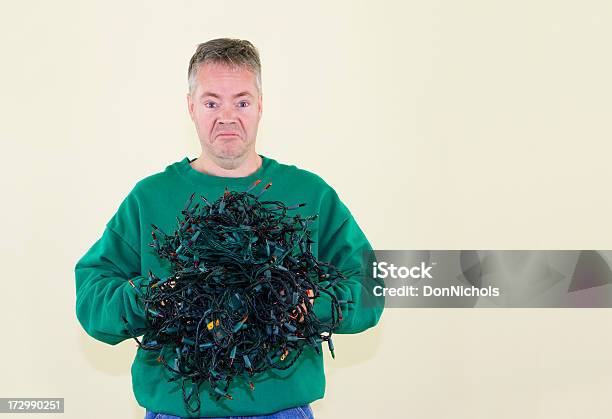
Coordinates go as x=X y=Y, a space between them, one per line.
x=300 y=412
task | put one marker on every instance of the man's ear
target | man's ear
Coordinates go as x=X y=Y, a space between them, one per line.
x=260 y=102
x=190 y=105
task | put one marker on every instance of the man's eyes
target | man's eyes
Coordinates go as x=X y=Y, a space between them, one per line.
x=211 y=105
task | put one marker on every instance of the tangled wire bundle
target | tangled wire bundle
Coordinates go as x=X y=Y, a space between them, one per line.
x=235 y=304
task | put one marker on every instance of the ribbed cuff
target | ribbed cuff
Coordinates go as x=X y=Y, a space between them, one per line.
x=322 y=307
x=137 y=320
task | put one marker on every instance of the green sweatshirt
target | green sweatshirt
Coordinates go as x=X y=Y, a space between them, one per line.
x=104 y=295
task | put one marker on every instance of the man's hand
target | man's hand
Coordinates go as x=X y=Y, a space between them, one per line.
x=310 y=301
x=294 y=313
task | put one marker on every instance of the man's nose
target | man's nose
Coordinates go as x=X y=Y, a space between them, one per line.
x=227 y=123
x=227 y=115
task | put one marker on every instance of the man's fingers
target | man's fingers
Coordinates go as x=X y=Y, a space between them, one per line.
x=304 y=308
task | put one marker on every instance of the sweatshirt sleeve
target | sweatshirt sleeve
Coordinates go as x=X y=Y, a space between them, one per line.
x=103 y=291
x=343 y=244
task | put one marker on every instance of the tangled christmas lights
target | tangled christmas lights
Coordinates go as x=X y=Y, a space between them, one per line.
x=239 y=299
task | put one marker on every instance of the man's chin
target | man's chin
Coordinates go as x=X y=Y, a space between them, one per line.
x=230 y=153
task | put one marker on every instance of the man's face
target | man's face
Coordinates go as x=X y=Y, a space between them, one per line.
x=225 y=108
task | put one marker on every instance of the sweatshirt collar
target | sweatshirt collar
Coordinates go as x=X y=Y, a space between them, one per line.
x=198 y=177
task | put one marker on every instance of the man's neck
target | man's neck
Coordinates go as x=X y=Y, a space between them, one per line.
x=213 y=167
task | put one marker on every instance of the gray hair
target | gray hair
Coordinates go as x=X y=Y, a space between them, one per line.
x=234 y=53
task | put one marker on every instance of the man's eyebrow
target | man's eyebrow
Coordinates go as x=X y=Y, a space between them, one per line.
x=245 y=93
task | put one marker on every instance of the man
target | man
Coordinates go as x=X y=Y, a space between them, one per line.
x=225 y=104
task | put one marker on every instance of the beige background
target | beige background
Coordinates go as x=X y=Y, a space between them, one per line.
x=442 y=125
